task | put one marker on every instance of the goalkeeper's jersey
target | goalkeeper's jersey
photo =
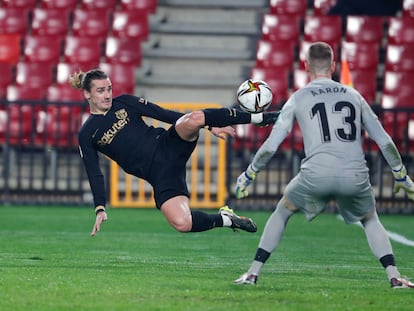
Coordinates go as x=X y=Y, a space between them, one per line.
x=331 y=117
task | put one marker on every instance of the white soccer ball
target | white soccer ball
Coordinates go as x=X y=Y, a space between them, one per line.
x=254 y=96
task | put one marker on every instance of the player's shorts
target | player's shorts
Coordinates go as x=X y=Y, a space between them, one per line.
x=168 y=170
x=353 y=195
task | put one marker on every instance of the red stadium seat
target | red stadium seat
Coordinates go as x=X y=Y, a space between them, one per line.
x=291 y=7
x=90 y=23
x=109 y=5
x=13 y=20
x=276 y=78
x=364 y=28
x=63 y=93
x=17 y=92
x=6 y=77
x=280 y=27
x=365 y=82
x=41 y=49
x=322 y=7
x=323 y=28
x=400 y=30
x=275 y=54
x=130 y=24
x=123 y=51
x=50 y=22
x=64 y=70
x=16 y=124
x=10 y=48
x=400 y=57
x=397 y=90
x=34 y=75
x=300 y=78
x=122 y=77
x=408 y=8
x=58 y=126
x=64 y=5
x=360 y=55
x=22 y=4
x=141 y=5
x=85 y=51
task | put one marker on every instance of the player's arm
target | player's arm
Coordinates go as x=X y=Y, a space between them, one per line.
x=149 y=109
x=266 y=151
x=90 y=159
x=390 y=152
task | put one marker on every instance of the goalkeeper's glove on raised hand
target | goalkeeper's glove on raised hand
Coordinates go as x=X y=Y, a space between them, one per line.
x=243 y=181
x=403 y=181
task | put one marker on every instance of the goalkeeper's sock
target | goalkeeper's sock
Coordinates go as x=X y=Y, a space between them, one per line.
x=203 y=221
x=221 y=117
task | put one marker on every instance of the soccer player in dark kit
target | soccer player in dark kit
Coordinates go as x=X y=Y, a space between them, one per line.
x=115 y=128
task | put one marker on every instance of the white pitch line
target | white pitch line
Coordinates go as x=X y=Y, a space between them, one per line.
x=392 y=235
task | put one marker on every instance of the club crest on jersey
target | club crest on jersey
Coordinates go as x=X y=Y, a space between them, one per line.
x=121 y=114
x=109 y=135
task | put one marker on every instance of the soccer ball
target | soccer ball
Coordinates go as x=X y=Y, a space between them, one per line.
x=254 y=96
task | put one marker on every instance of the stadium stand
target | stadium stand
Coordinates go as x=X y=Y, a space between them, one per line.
x=400 y=30
x=147 y=5
x=86 y=51
x=34 y=74
x=90 y=23
x=130 y=24
x=109 y=5
x=408 y=8
x=13 y=20
x=323 y=28
x=10 y=48
x=123 y=50
x=364 y=28
x=42 y=49
x=50 y=22
x=64 y=5
x=399 y=57
x=21 y=4
x=290 y=7
x=281 y=27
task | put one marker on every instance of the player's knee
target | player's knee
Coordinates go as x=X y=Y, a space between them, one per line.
x=286 y=203
x=181 y=225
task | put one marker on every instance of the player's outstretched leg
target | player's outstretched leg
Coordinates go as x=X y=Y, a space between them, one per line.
x=238 y=222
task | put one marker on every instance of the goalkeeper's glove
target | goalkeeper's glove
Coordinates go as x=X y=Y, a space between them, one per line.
x=403 y=181
x=243 y=181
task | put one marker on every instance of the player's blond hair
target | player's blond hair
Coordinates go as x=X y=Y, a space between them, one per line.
x=82 y=80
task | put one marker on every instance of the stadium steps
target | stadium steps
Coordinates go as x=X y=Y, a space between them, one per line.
x=199 y=52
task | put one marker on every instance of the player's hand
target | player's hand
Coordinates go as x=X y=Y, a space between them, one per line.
x=269 y=118
x=403 y=181
x=221 y=132
x=100 y=218
x=243 y=181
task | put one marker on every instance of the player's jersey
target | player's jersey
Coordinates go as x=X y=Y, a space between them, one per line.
x=331 y=117
x=122 y=135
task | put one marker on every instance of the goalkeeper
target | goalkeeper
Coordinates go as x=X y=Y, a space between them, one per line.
x=331 y=117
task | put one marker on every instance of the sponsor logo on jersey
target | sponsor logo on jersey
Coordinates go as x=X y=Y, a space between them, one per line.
x=109 y=135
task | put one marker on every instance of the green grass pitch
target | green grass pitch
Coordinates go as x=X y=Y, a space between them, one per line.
x=48 y=261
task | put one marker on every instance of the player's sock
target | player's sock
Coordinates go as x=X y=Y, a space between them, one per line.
x=272 y=234
x=388 y=262
x=220 y=117
x=203 y=221
x=380 y=244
